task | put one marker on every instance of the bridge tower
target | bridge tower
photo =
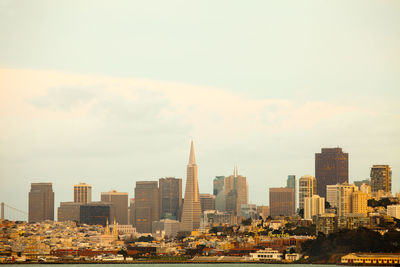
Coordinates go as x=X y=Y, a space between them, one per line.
x=2 y=210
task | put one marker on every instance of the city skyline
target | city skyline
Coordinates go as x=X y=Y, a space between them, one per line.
x=111 y=94
x=191 y=158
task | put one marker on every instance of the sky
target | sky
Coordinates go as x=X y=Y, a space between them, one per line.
x=112 y=92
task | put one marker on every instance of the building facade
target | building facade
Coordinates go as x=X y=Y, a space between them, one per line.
x=41 y=202
x=263 y=211
x=281 y=201
x=96 y=213
x=359 y=202
x=191 y=211
x=169 y=227
x=146 y=205
x=69 y=211
x=394 y=211
x=381 y=178
x=236 y=192
x=307 y=188
x=291 y=183
x=207 y=202
x=170 y=189
x=344 y=196
x=120 y=201
x=82 y=193
x=331 y=167
x=219 y=192
x=313 y=206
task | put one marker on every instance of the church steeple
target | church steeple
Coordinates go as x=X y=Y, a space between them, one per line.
x=192 y=159
x=107 y=230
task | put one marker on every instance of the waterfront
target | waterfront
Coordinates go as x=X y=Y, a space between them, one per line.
x=181 y=264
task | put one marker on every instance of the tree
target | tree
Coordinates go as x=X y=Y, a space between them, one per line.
x=301 y=212
x=182 y=235
x=247 y=221
x=327 y=205
x=148 y=238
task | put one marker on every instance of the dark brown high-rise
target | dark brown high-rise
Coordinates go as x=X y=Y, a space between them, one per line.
x=170 y=197
x=281 y=201
x=331 y=167
x=146 y=205
x=41 y=202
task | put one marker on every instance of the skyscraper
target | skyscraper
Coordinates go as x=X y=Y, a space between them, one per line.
x=291 y=183
x=146 y=205
x=344 y=193
x=191 y=211
x=313 y=206
x=170 y=197
x=69 y=211
x=120 y=201
x=281 y=201
x=307 y=188
x=96 y=213
x=236 y=192
x=82 y=193
x=132 y=212
x=331 y=167
x=219 y=192
x=207 y=202
x=381 y=178
x=41 y=202
x=359 y=202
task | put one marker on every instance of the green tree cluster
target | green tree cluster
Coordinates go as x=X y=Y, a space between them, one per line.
x=346 y=241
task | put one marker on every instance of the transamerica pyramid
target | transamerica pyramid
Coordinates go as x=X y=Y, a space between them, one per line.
x=191 y=211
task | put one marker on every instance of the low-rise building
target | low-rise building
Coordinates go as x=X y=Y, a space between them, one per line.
x=371 y=259
x=267 y=254
x=394 y=211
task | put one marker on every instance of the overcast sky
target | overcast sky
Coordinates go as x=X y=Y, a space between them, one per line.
x=112 y=92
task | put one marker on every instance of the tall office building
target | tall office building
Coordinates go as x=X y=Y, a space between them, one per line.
x=132 y=212
x=331 y=194
x=41 y=202
x=170 y=197
x=344 y=198
x=281 y=201
x=331 y=167
x=291 y=183
x=219 y=192
x=120 y=201
x=359 y=202
x=146 y=205
x=381 y=178
x=207 y=202
x=191 y=211
x=263 y=211
x=313 y=206
x=236 y=192
x=307 y=188
x=98 y=212
x=82 y=193
x=68 y=211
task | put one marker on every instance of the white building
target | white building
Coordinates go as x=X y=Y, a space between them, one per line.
x=169 y=227
x=307 y=188
x=266 y=254
x=313 y=206
x=394 y=211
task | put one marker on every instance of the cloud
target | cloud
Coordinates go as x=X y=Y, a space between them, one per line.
x=60 y=127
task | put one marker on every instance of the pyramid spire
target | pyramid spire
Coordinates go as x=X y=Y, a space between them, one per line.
x=192 y=159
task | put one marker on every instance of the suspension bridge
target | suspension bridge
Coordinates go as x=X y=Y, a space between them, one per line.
x=8 y=212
